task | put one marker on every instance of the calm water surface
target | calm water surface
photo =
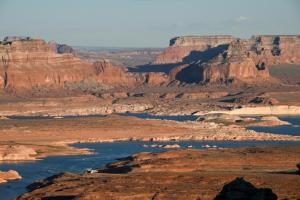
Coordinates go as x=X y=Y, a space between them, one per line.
x=108 y=152
x=293 y=129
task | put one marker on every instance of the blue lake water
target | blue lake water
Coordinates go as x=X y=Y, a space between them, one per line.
x=293 y=129
x=108 y=152
x=174 y=118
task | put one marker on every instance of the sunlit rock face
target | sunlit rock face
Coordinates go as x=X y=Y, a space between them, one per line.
x=181 y=47
x=224 y=59
x=275 y=49
x=31 y=64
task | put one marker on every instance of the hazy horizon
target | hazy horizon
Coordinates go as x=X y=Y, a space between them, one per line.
x=144 y=23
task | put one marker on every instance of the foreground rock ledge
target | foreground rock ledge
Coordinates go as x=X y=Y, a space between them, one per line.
x=181 y=174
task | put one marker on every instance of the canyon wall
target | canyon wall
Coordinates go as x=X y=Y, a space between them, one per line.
x=224 y=59
x=32 y=64
x=181 y=47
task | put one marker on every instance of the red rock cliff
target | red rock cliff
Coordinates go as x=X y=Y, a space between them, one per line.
x=181 y=47
x=27 y=64
x=242 y=60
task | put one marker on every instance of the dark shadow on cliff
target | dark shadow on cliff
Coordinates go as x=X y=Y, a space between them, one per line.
x=166 y=68
x=194 y=72
x=204 y=56
x=190 y=74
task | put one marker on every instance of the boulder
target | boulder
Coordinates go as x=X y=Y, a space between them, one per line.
x=240 y=189
x=9 y=176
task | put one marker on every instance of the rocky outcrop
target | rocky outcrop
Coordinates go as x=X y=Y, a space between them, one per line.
x=180 y=47
x=241 y=189
x=34 y=65
x=16 y=153
x=225 y=64
x=182 y=174
x=234 y=64
x=9 y=176
x=224 y=59
x=275 y=49
x=156 y=79
x=61 y=48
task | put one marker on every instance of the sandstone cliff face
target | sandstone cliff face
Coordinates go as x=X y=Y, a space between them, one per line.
x=234 y=64
x=61 y=48
x=236 y=60
x=33 y=64
x=27 y=64
x=181 y=47
x=272 y=49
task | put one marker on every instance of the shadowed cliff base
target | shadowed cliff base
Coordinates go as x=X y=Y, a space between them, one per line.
x=165 y=68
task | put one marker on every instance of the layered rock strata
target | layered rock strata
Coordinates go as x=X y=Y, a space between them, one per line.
x=224 y=59
x=33 y=64
x=181 y=47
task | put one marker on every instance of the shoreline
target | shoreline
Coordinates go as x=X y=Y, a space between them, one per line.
x=67 y=149
x=43 y=138
x=185 y=171
x=31 y=140
x=280 y=110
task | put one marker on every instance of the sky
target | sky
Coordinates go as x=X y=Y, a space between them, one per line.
x=144 y=23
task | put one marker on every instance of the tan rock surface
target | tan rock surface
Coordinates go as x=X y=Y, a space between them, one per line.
x=181 y=47
x=188 y=174
x=9 y=176
x=225 y=59
x=31 y=139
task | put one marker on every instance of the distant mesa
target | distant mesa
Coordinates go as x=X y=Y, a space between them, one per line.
x=29 y=66
x=225 y=59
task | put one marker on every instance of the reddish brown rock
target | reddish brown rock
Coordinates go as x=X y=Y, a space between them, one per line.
x=28 y=64
x=275 y=49
x=229 y=63
x=110 y=75
x=156 y=79
x=33 y=64
x=181 y=47
x=234 y=64
x=61 y=48
x=224 y=59
x=182 y=174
